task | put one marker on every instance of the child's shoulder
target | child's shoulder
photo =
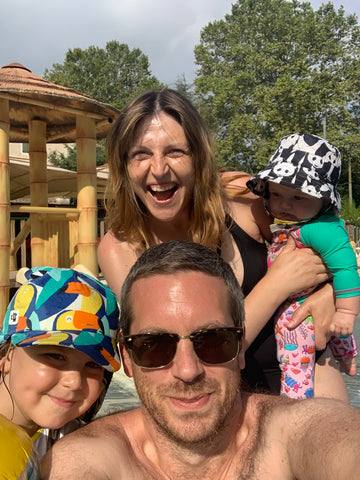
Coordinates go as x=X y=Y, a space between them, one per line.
x=324 y=233
x=328 y=220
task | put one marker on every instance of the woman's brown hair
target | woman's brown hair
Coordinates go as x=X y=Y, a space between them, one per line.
x=125 y=213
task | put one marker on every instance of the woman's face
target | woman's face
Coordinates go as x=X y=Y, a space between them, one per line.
x=160 y=168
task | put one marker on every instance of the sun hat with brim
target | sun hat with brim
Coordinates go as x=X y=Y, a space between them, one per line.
x=305 y=162
x=64 y=307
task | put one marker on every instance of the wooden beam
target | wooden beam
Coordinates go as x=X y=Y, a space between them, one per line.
x=4 y=208
x=53 y=106
x=38 y=188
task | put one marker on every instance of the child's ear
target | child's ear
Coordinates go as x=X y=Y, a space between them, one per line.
x=5 y=361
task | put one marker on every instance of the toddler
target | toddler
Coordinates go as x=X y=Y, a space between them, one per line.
x=299 y=190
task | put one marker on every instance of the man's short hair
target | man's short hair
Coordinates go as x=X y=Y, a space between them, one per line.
x=181 y=256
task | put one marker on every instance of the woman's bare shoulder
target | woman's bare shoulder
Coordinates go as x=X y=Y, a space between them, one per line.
x=115 y=257
x=235 y=178
x=234 y=173
x=249 y=212
x=112 y=243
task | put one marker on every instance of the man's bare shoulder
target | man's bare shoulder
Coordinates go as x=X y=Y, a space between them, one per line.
x=96 y=450
x=291 y=436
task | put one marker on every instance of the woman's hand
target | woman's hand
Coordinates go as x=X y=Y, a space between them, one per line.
x=296 y=269
x=321 y=306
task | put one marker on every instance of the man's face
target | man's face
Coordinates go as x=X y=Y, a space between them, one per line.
x=188 y=401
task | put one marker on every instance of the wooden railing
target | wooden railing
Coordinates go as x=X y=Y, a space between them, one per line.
x=20 y=227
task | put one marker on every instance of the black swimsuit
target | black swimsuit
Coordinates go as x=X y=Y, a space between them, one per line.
x=262 y=369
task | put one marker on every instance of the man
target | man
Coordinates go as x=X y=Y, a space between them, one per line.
x=182 y=320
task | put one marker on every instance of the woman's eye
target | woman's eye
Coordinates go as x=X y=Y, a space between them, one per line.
x=140 y=156
x=176 y=153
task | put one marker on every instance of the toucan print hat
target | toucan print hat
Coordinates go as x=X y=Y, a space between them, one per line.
x=305 y=162
x=59 y=306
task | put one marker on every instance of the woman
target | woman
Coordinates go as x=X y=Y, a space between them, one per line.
x=164 y=185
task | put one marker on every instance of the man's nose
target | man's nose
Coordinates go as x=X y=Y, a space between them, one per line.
x=186 y=365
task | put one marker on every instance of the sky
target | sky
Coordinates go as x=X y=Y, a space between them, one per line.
x=38 y=33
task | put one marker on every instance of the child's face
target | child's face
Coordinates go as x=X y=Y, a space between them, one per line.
x=289 y=204
x=49 y=385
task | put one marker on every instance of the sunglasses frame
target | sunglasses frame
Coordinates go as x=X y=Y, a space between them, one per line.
x=128 y=340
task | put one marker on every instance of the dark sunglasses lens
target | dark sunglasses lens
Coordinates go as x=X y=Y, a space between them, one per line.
x=216 y=346
x=153 y=350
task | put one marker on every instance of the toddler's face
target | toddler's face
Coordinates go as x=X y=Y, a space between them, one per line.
x=289 y=204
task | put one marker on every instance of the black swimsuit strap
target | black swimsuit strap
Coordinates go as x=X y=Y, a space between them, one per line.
x=252 y=252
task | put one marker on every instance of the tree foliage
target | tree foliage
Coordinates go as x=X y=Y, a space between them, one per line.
x=274 y=67
x=184 y=88
x=114 y=75
x=349 y=212
x=69 y=161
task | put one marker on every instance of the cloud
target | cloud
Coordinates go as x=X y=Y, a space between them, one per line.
x=39 y=33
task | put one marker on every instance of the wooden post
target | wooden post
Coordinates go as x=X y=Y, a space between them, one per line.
x=4 y=208
x=38 y=188
x=86 y=200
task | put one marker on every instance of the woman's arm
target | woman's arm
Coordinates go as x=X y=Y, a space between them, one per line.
x=293 y=271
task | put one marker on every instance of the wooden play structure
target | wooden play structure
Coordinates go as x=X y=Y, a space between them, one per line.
x=38 y=112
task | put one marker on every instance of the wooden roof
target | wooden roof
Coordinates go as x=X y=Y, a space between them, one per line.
x=32 y=97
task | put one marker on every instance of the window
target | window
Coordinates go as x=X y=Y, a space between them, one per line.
x=25 y=148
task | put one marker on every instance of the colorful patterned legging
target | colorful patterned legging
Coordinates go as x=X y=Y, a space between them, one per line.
x=296 y=352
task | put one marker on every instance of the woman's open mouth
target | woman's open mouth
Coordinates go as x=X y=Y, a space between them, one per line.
x=163 y=193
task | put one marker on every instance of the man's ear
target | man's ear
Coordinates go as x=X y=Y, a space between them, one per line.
x=241 y=355
x=126 y=359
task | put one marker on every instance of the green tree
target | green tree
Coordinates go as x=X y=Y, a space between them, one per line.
x=114 y=75
x=69 y=161
x=185 y=88
x=350 y=213
x=274 y=67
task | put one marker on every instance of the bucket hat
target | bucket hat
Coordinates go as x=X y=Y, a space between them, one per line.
x=64 y=307
x=305 y=162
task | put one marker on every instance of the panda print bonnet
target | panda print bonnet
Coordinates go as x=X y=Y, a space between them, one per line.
x=305 y=162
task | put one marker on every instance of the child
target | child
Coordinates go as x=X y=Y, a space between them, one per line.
x=299 y=190
x=58 y=351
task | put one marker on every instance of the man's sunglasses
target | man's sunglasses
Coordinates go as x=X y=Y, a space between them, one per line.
x=213 y=346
